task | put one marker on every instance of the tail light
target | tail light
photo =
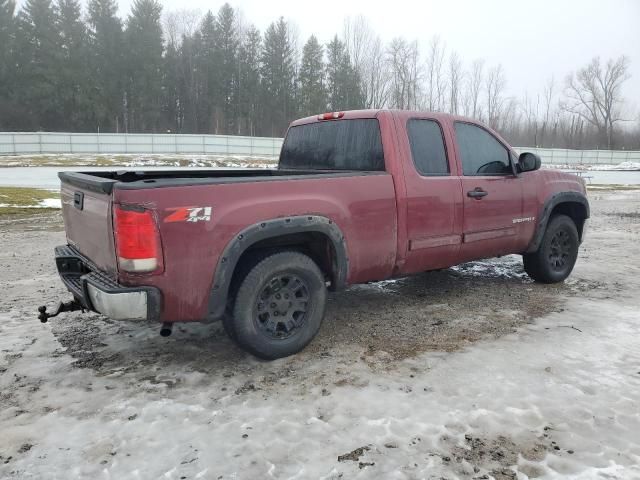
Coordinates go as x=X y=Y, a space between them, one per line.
x=331 y=116
x=137 y=238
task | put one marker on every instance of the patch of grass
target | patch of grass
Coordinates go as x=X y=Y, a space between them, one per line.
x=24 y=197
x=16 y=212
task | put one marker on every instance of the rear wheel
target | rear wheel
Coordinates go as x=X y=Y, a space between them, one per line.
x=279 y=305
x=557 y=254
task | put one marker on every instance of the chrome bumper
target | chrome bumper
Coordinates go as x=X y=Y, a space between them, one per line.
x=99 y=292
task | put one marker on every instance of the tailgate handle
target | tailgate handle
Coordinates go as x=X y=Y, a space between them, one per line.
x=78 y=200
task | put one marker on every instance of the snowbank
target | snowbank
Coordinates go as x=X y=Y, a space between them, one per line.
x=46 y=203
x=138 y=160
x=624 y=166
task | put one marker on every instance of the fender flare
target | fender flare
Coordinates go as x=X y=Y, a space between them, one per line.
x=228 y=260
x=550 y=203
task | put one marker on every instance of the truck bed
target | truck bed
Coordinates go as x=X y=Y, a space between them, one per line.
x=362 y=204
x=104 y=182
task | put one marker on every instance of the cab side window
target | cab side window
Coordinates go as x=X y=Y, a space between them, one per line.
x=480 y=152
x=427 y=147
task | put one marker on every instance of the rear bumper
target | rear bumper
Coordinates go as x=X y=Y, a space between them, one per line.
x=99 y=292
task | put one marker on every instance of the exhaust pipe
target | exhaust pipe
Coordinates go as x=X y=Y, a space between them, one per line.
x=166 y=329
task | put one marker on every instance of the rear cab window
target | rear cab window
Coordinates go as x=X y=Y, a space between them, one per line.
x=334 y=145
x=427 y=147
x=480 y=152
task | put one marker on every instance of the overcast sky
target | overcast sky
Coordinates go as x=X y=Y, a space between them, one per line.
x=533 y=40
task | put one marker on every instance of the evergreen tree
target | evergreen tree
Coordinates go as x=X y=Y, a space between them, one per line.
x=144 y=66
x=38 y=63
x=278 y=78
x=73 y=78
x=227 y=42
x=189 y=84
x=249 y=81
x=106 y=46
x=172 y=106
x=207 y=60
x=344 y=87
x=7 y=30
x=313 y=96
x=7 y=63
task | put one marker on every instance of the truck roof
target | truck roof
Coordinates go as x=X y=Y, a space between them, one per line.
x=373 y=112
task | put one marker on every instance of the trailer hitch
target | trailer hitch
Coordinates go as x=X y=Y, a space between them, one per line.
x=70 y=306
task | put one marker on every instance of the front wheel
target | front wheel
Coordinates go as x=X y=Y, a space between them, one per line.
x=557 y=253
x=279 y=306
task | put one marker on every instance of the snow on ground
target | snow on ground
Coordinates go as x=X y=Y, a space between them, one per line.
x=138 y=160
x=555 y=396
x=624 y=166
x=51 y=203
x=46 y=203
x=510 y=266
x=567 y=382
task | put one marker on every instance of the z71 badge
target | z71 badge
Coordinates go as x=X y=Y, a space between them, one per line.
x=188 y=214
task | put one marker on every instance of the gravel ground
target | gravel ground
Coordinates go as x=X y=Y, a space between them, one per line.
x=473 y=371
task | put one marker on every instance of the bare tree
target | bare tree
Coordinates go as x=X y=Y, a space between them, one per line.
x=293 y=37
x=548 y=97
x=494 y=94
x=531 y=108
x=456 y=76
x=509 y=119
x=180 y=23
x=570 y=129
x=435 y=75
x=402 y=60
x=594 y=93
x=358 y=38
x=376 y=79
x=367 y=56
x=473 y=89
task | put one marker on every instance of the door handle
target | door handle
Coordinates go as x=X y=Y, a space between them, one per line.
x=477 y=193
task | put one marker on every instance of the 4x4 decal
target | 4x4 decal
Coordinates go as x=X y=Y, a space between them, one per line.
x=188 y=214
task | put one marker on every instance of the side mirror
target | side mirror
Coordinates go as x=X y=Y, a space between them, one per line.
x=528 y=162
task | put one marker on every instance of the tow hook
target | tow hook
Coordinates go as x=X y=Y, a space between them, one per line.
x=70 y=306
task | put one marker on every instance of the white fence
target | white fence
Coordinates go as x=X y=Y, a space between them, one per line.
x=563 y=156
x=115 y=143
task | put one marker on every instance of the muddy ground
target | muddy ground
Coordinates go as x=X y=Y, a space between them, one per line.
x=87 y=396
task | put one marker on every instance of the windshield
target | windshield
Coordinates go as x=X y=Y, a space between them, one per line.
x=334 y=145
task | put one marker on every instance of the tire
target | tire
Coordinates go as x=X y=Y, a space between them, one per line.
x=248 y=263
x=557 y=254
x=279 y=305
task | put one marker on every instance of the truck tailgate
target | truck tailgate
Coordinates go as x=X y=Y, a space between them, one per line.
x=87 y=220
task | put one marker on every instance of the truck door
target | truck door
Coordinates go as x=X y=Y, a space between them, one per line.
x=433 y=196
x=492 y=194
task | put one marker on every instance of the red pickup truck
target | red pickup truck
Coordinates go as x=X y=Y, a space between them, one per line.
x=357 y=196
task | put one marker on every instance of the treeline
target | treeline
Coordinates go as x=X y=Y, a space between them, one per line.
x=66 y=68
x=62 y=70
